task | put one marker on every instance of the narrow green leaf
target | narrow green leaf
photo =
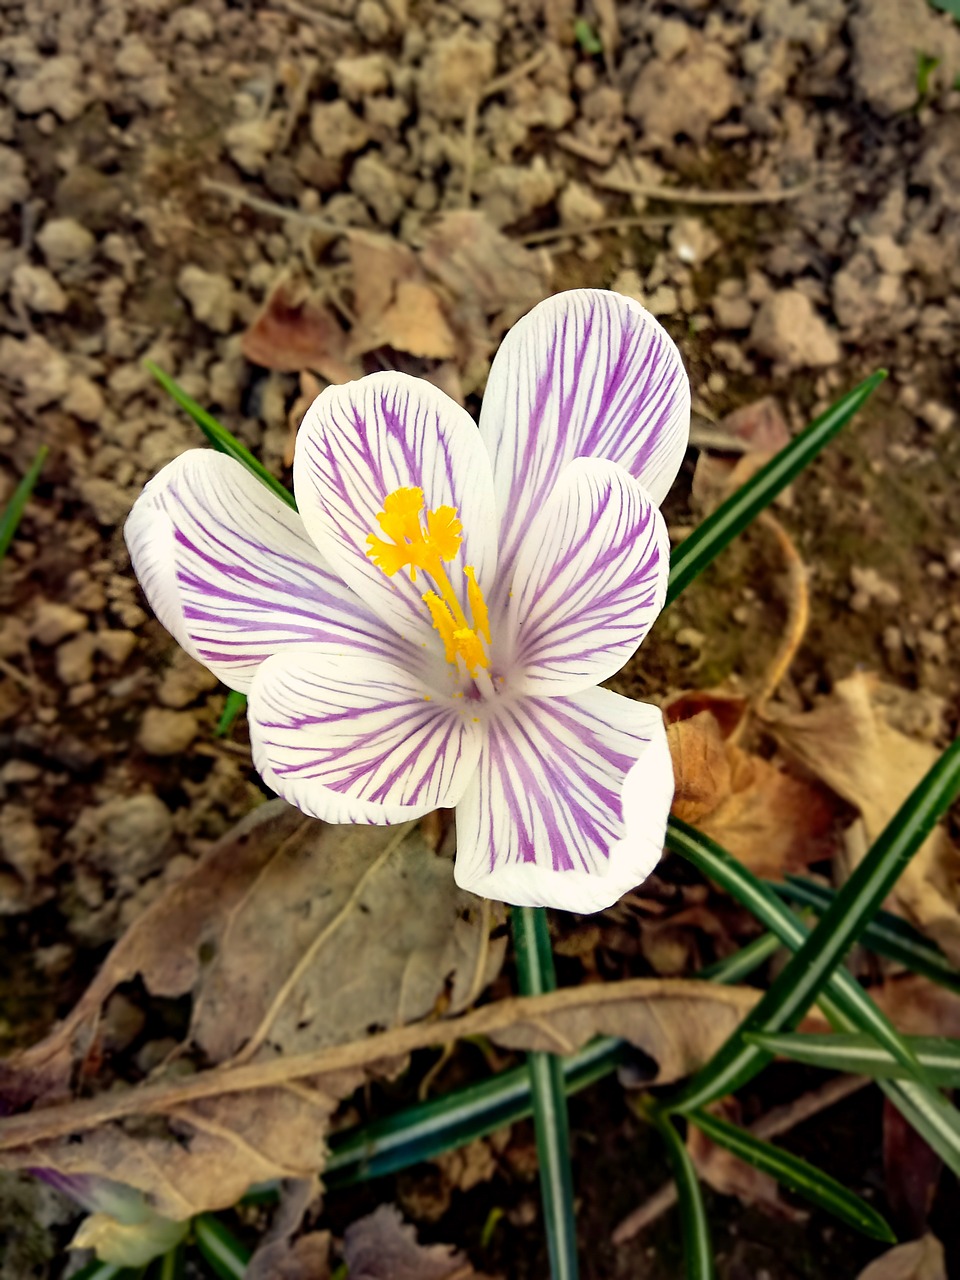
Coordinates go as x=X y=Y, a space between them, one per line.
x=797 y=1175
x=97 y=1270
x=218 y=435
x=886 y=934
x=694 y=1227
x=800 y=982
x=13 y=511
x=221 y=1249
x=847 y=1005
x=743 y=962
x=536 y=976
x=732 y=517
x=862 y=1056
x=443 y=1124
x=234 y=706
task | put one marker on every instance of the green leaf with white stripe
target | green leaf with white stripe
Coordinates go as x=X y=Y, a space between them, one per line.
x=796 y=1175
x=860 y=1055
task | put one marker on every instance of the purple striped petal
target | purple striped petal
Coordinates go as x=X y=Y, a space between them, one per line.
x=230 y=572
x=357 y=739
x=591 y=578
x=361 y=441
x=569 y=805
x=590 y=374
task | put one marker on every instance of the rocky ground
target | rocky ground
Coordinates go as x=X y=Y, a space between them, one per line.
x=262 y=197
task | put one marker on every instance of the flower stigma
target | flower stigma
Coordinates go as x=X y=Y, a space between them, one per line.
x=407 y=544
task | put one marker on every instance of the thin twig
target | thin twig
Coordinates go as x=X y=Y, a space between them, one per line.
x=698 y=195
x=588 y=228
x=160 y=1097
x=483 y=952
x=519 y=72
x=274 y=210
x=778 y=1121
x=469 y=151
x=798 y=617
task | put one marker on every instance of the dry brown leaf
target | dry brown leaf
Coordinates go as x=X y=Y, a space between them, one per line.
x=918 y=1260
x=488 y=282
x=195 y=1141
x=307 y=1258
x=761 y=431
x=731 y=1176
x=383 y=1247
x=911 y=1171
x=294 y=332
x=855 y=743
x=772 y=822
x=290 y=936
x=393 y=303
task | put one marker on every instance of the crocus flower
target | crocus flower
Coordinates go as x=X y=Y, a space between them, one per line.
x=429 y=630
x=121 y=1228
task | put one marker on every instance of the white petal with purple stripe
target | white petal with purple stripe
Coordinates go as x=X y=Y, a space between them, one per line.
x=358 y=739
x=586 y=373
x=569 y=805
x=229 y=570
x=365 y=439
x=591 y=578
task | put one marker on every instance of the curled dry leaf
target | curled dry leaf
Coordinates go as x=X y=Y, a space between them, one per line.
x=289 y=936
x=383 y=1247
x=773 y=822
x=294 y=332
x=917 y=1260
x=395 y=306
x=870 y=743
x=757 y=431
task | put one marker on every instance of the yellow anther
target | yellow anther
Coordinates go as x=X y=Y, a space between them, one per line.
x=478 y=606
x=471 y=650
x=442 y=619
x=407 y=544
x=444 y=532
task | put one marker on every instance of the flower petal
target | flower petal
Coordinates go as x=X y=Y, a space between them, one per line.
x=569 y=805
x=358 y=739
x=365 y=439
x=591 y=578
x=586 y=373
x=230 y=571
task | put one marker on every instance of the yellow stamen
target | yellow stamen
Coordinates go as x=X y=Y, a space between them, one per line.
x=471 y=650
x=478 y=606
x=442 y=619
x=406 y=544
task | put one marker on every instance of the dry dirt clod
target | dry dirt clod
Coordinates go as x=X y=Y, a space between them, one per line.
x=789 y=331
x=54 y=622
x=210 y=295
x=167 y=733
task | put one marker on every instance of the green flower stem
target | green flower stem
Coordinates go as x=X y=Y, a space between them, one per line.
x=536 y=977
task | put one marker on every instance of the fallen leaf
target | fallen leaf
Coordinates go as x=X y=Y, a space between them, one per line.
x=289 y=936
x=760 y=431
x=394 y=304
x=383 y=1247
x=488 y=282
x=294 y=332
x=918 y=1260
x=728 y=1175
x=193 y=1141
x=773 y=822
x=306 y=1258
x=854 y=742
